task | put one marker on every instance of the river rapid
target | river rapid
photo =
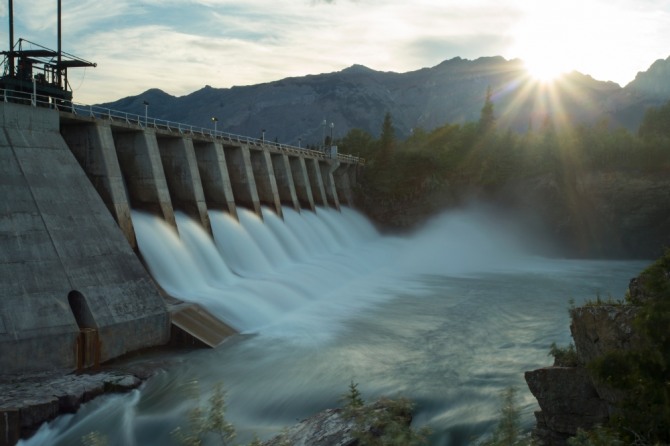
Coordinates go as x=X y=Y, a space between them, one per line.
x=447 y=317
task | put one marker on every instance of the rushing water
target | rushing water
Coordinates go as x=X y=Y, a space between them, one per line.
x=448 y=317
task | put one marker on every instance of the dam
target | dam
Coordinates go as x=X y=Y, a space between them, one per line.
x=74 y=288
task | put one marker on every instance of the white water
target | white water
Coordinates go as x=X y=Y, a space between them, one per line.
x=447 y=317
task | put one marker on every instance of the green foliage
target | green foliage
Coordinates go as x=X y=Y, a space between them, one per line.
x=353 y=399
x=600 y=301
x=564 y=356
x=459 y=159
x=486 y=117
x=643 y=373
x=656 y=278
x=655 y=122
x=207 y=421
x=508 y=431
x=387 y=140
x=598 y=436
x=385 y=423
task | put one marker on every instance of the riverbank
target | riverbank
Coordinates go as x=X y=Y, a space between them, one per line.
x=29 y=400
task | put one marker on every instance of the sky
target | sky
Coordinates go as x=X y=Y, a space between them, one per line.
x=180 y=46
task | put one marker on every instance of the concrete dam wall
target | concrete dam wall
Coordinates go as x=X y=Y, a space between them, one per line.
x=73 y=291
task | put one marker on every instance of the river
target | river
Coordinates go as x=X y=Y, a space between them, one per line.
x=448 y=317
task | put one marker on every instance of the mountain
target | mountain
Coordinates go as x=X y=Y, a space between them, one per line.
x=293 y=109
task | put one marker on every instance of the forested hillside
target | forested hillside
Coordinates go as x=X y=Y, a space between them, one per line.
x=600 y=191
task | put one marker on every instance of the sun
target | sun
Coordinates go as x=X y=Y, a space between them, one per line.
x=551 y=39
x=545 y=69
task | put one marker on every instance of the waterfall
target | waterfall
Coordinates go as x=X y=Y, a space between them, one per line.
x=252 y=271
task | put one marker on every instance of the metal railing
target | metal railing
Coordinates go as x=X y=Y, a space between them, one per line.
x=96 y=112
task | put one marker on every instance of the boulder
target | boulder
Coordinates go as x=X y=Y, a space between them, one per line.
x=568 y=401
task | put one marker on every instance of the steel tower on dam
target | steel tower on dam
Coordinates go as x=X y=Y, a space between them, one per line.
x=73 y=291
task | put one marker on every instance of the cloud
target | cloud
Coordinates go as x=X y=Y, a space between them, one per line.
x=182 y=45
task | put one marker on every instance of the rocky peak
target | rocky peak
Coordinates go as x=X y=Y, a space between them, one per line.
x=655 y=82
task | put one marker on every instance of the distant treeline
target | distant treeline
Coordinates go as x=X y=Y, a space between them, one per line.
x=482 y=156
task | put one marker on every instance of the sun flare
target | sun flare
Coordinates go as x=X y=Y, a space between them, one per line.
x=555 y=38
x=544 y=70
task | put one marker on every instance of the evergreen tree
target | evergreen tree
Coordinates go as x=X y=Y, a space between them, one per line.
x=486 y=118
x=655 y=122
x=387 y=140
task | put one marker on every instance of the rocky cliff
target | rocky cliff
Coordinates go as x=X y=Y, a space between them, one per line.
x=570 y=394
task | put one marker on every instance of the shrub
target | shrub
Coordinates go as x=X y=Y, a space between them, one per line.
x=384 y=423
x=564 y=356
x=207 y=421
x=508 y=431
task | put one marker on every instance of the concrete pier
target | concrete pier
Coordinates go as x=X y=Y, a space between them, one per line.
x=316 y=182
x=183 y=178
x=214 y=176
x=303 y=187
x=141 y=164
x=327 y=169
x=342 y=176
x=266 y=184
x=241 y=174
x=285 y=186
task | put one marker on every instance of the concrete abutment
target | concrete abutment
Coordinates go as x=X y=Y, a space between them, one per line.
x=58 y=235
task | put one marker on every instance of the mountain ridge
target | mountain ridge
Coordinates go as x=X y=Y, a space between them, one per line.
x=292 y=110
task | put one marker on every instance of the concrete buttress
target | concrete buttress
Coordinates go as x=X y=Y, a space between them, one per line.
x=214 y=175
x=142 y=169
x=341 y=175
x=92 y=144
x=316 y=181
x=183 y=178
x=242 y=179
x=285 y=186
x=303 y=188
x=64 y=262
x=266 y=184
x=327 y=169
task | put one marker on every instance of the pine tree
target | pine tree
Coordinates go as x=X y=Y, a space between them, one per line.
x=387 y=139
x=486 y=118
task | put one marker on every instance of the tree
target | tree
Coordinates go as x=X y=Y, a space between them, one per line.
x=387 y=140
x=358 y=142
x=486 y=118
x=655 y=122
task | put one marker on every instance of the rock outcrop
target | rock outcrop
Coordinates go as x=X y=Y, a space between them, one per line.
x=568 y=401
x=28 y=401
x=569 y=397
x=333 y=427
